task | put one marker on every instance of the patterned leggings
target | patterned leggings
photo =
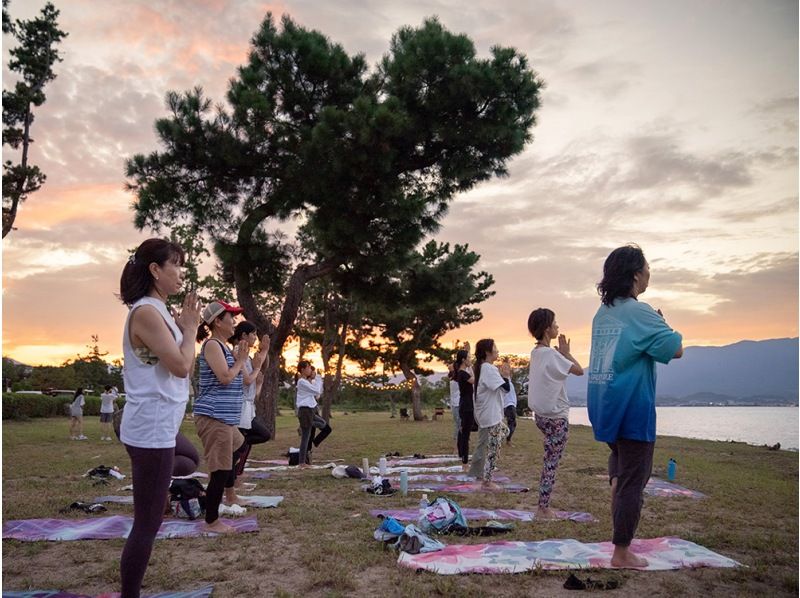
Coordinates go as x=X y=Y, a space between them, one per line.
x=496 y=435
x=555 y=433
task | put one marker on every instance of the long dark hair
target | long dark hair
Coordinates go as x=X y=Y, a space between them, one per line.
x=78 y=391
x=483 y=348
x=461 y=355
x=136 y=280
x=242 y=328
x=540 y=320
x=619 y=270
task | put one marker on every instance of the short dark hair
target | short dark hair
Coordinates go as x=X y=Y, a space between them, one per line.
x=619 y=270
x=242 y=328
x=540 y=320
x=136 y=280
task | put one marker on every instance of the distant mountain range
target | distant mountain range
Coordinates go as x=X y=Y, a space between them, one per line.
x=744 y=373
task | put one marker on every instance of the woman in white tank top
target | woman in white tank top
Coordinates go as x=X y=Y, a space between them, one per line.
x=159 y=356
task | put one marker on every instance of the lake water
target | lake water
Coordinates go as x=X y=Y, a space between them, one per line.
x=753 y=425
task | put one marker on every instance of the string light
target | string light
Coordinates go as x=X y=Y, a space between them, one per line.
x=407 y=385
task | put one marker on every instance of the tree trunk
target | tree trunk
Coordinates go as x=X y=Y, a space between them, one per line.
x=416 y=394
x=10 y=215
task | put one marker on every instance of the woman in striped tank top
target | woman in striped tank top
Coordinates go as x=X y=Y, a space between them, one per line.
x=218 y=407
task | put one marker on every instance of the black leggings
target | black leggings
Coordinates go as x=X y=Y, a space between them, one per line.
x=511 y=417
x=256 y=434
x=151 y=470
x=467 y=421
x=310 y=422
x=216 y=487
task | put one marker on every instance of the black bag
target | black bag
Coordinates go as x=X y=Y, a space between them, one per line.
x=294 y=458
x=184 y=491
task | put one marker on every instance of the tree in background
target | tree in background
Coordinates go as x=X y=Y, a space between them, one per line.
x=32 y=59
x=436 y=293
x=364 y=164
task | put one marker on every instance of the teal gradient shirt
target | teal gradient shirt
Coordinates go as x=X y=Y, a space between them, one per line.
x=628 y=338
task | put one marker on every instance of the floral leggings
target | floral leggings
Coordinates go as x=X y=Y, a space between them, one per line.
x=555 y=433
x=497 y=434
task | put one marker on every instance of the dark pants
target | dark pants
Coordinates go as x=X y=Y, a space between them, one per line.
x=631 y=462
x=511 y=418
x=256 y=434
x=467 y=421
x=310 y=422
x=186 y=457
x=151 y=470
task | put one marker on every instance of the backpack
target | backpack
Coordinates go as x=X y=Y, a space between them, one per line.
x=443 y=516
x=187 y=498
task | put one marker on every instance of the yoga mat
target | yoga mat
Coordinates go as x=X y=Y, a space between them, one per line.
x=107 y=528
x=287 y=468
x=203 y=592
x=466 y=488
x=263 y=502
x=444 y=469
x=249 y=501
x=120 y=500
x=425 y=461
x=658 y=487
x=445 y=477
x=259 y=475
x=497 y=514
x=284 y=461
x=196 y=474
x=516 y=557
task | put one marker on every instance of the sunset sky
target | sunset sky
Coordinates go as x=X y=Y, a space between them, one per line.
x=670 y=124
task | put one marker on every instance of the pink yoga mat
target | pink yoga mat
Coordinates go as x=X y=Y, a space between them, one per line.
x=497 y=514
x=516 y=557
x=107 y=528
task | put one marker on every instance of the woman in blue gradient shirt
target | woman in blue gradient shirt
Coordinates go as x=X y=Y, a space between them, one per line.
x=628 y=338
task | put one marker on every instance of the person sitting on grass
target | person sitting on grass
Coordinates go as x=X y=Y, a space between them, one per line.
x=547 y=394
x=76 y=416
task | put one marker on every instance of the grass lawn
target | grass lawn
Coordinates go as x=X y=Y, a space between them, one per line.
x=319 y=541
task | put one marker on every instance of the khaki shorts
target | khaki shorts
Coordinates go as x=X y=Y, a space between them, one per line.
x=219 y=442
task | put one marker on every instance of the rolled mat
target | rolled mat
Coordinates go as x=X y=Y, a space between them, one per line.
x=466 y=488
x=516 y=557
x=497 y=514
x=247 y=501
x=107 y=528
x=203 y=592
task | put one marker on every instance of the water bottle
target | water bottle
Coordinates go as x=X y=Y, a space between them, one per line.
x=404 y=483
x=423 y=504
x=382 y=466
x=671 y=468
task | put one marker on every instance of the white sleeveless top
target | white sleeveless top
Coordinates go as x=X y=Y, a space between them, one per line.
x=155 y=400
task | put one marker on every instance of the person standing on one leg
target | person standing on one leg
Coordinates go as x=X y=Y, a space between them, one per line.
x=628 y=338
x=510 y=407
x=490 y=386
x=159 y=358
x=309 y=387
x=252 y=429
x=218 y=407
x=466 y=410
x=547 y=396
x=455 y=401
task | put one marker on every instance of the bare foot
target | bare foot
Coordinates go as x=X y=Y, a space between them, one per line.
x=218 y=527
x=545 y=513
x=623 y=558
x=231 y=498
x=491 y=486
x=465 y=467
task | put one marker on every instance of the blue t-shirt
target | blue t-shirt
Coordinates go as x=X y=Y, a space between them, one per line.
x=627 y=339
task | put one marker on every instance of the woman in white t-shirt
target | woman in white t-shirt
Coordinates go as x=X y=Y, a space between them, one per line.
x=108 y=401
x=547 y=397
x=491 y=385
x=455 y=401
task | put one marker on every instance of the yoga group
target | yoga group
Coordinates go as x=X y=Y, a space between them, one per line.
x=159 y=345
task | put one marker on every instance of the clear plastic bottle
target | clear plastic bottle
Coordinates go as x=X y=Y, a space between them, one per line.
x=423 y=504
x=404 y=483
